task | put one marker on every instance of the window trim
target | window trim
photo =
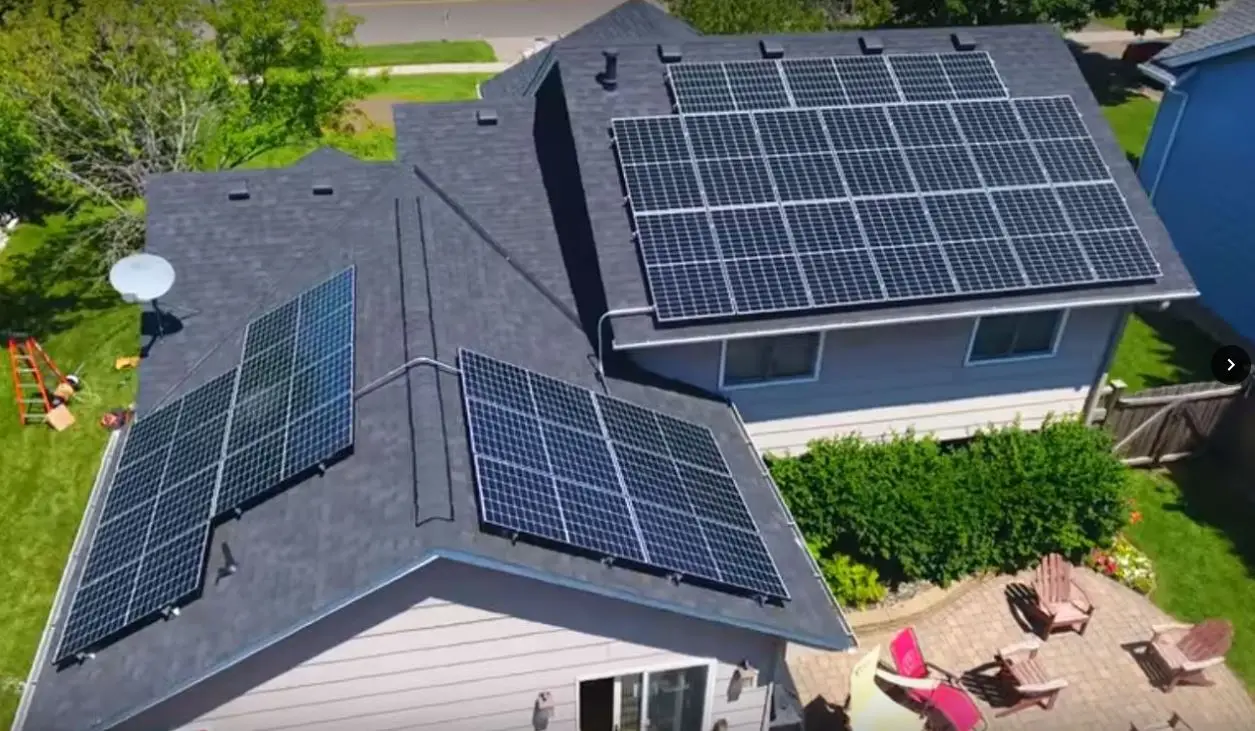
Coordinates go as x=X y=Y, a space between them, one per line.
x=816 y=367
x=1054 y=343
x=712 y=668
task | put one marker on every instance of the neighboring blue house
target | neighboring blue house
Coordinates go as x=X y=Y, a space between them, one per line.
x=1198 y=161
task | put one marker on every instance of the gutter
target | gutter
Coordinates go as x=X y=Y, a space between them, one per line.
x=71 y=562
x=1172 y=84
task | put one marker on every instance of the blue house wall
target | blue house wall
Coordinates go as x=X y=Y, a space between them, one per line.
x=1201 y=179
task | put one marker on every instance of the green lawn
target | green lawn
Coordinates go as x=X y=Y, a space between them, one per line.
x=423 y=52
x=428 y=87
x=49 y=475
x=1198 y=533
x=1131 y=122
x=374 y=144
x=1158 y=350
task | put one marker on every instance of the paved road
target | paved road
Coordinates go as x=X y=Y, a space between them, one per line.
x=398 y=21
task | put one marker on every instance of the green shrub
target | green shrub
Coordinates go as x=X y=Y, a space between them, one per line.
x=854 y=584
x=915 y=509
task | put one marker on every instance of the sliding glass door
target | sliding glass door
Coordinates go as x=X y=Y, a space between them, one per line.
x=660 y=700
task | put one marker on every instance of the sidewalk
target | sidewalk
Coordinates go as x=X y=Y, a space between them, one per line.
x=494 y=67
x=1090 y=37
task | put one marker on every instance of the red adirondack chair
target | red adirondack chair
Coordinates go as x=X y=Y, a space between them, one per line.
x=1187 y=650
x=1061 y=602
x=941 y=695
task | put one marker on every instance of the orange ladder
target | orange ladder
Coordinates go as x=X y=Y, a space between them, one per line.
x=27 y=361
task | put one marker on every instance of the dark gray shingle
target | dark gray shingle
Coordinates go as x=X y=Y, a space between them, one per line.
x=1233 y=23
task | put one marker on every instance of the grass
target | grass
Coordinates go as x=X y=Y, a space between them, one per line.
x=1158 y=349
x=428 y=87
x=1196 y=529
x=49 y=475
x=422 y=52
x=1131 y=121
x=373 y=143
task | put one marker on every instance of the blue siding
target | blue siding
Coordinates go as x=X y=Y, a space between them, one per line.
x=1206 y=194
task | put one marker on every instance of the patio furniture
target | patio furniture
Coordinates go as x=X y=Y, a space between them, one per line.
x=1175 y=723
x=941 y=696
x=1061 y=602
x=1187 y=650
x=1026 y=679
x=868 y=708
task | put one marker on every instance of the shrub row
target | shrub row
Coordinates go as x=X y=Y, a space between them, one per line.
x=914 y=509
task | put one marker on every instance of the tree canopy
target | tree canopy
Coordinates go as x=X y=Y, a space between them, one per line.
x=783 y=16
x=108 y=93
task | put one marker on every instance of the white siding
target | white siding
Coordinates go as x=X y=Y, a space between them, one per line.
x=875 y=382
x=473 y=651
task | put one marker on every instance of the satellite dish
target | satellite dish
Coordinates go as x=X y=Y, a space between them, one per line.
x=142 y=277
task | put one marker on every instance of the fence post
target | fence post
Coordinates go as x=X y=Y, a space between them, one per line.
x=1118 y=388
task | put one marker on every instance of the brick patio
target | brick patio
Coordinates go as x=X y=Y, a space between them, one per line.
x=1107 y=687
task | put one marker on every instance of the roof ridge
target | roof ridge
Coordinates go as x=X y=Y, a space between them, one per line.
x=496 y=246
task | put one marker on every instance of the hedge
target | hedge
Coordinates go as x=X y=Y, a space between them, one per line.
x=914 y=509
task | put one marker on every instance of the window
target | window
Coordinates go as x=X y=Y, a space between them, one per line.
x=1016 y=337
x=758 y=361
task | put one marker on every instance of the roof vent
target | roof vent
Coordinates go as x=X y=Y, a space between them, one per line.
x=486 y=117
x=871 y=45
x=771 y=49
x=963 y=41
x=609 y=77
x=323 y=189
x=239 y=192
x=669 y=53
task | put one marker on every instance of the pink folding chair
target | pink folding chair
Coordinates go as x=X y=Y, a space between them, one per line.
x=942 y=696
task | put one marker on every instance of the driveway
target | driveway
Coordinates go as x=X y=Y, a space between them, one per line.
x=1107 y=686
x=400 y=21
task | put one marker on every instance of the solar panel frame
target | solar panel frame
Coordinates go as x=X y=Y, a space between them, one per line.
x=884 y=154
x=659 y=466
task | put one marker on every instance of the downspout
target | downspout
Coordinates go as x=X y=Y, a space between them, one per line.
x=1104 y=366
x=601 y=327
x=1172 y=83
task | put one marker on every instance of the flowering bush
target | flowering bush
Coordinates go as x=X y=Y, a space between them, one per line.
x=1125 y=563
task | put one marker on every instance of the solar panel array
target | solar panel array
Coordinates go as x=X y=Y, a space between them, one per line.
x=287 y=407
x=746 y=213
x=564 y=464
x=829 y=82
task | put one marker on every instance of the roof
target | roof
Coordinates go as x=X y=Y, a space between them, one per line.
x=1231 y=30
x=1034 y=60
x=633 y=20
x=443 y=262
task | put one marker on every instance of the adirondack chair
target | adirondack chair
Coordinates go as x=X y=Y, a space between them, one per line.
x=943 y=696
x=1061 y=602
x=1024 y=678
x=1187 y=650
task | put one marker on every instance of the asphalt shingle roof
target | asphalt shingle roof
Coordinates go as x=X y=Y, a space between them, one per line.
x=1233 y=23
x=443 y=261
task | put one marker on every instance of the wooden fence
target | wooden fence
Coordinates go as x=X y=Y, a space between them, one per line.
x=1171 y=422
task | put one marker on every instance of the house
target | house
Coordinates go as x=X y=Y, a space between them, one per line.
x=444 y=468
x=1196 y=160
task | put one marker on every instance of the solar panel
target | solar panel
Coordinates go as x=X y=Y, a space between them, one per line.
x=773 y=186
x=162 y=488
x=833 y=81
x=301 y=412
x=287 y=407
x=563 y=464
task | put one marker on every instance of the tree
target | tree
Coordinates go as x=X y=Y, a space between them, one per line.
x=732 y=17
x=1143 y=15
x=18 y=162
x=115 y=91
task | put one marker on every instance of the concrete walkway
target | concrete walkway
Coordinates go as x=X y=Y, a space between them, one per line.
x=1109 y=683
x=1090 y=37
